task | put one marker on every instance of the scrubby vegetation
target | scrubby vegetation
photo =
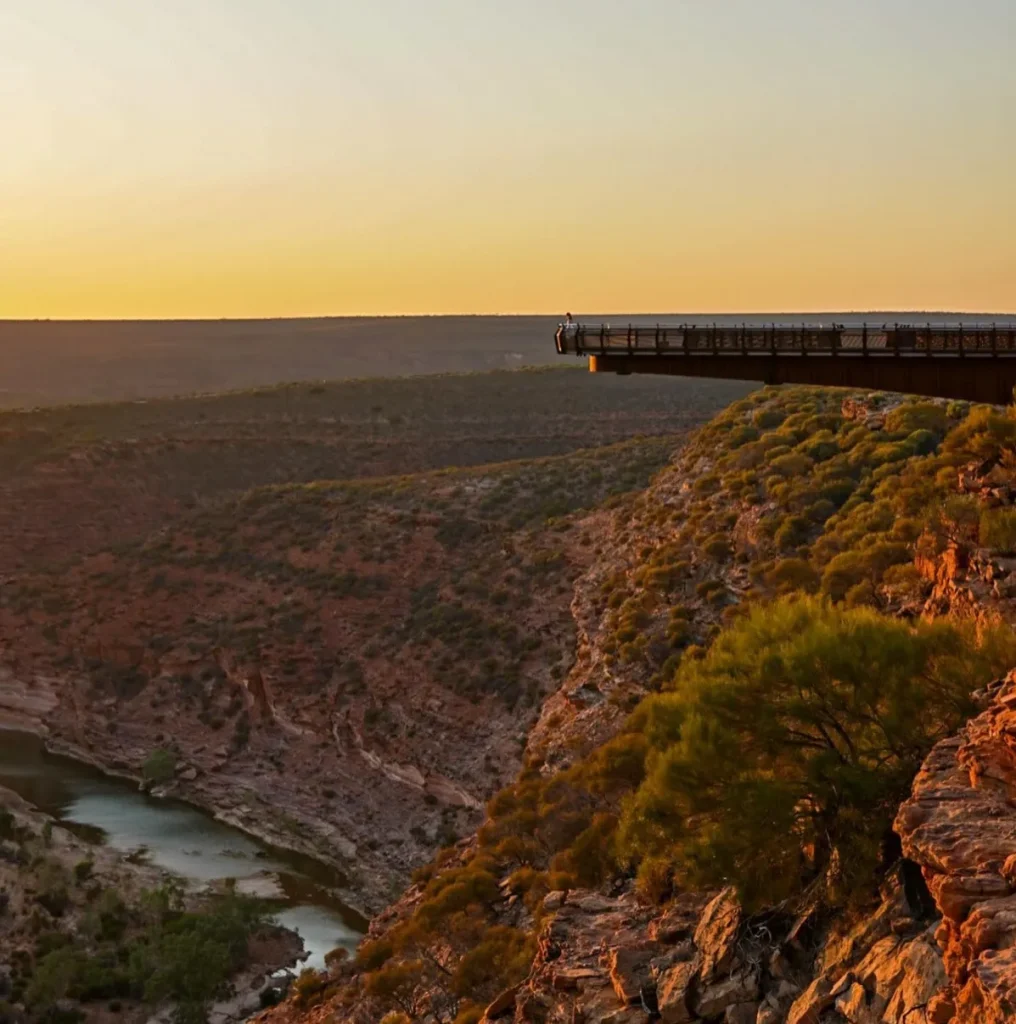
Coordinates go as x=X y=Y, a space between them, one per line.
x=79 y=479
x=78 y=946
x=772 y=601
x=776 y=761
x=779 y=759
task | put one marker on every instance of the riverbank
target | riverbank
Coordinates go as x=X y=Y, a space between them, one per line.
x=80 y=919
x=180 y=839
x=327 y=856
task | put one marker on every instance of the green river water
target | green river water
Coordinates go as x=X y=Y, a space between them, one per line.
x=179 y=838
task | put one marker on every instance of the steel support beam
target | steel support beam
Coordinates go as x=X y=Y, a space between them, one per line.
x=975 y=378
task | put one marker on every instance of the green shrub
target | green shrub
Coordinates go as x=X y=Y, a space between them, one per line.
x=998 y=530
x=961 y=515
x=717 y=546
x=159 y=767
x=792 y=574
x=842 y=573
x=791 y=464
x=922 y=442
x=765 y=419
x=793 y=532
x=780 y=758
x=820 y=511
x=911 y=416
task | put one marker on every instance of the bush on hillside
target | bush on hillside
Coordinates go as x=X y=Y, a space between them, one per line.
x=912 y=416
x=159 y=766
x=998 y=530
x=792 y=574
x=779 y=758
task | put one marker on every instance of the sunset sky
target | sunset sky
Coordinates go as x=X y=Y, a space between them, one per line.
x=209 y=158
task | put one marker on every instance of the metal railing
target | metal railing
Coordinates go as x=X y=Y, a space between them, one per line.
x=897 y=340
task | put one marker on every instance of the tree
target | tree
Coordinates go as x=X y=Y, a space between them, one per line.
x=780 y=758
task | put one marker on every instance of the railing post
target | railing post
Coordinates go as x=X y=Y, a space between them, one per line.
x=994 y=339
x=684 y=337
x=864 y=339
x=961 y=339
x=930 y=335
x=716 y=350
x=896 y=342
x=744 y=338
x=629 y=339
x=772 y=339
x=656 y=343
x=603 y=339
x=834 y=340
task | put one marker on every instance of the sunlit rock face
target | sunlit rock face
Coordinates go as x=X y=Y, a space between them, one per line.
x=960 y=826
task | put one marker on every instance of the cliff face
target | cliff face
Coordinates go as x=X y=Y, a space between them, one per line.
x=960 y=827
x=935 y=947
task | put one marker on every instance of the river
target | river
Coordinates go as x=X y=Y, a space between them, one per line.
x=179 y=838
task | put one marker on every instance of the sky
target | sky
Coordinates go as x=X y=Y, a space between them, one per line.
x=224 y=158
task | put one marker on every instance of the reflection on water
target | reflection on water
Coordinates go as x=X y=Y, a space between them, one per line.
x=178 y=837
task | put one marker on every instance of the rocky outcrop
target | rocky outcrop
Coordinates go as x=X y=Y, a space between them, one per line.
x=960 y=826
x=24 y=704
x=611 y=959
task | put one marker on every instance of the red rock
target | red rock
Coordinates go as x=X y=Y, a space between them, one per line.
x=960 y=826
x=672 y=993
x=811 y=1003
x=941 y=1009
x=630 y=971
x=717 y=932
x=742 y=1013
x=716 y=998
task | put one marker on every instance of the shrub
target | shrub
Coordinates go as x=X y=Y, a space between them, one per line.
x=820 y=511
x=912 y=416
x=922 y=442
x=961 y=515
x=308 y=987
x=792 y=464
x=861 y=595
x=842 y=573
x=780 y=758
x=765 y=419
x=998 y=530
x=793 y=532
x=792 y=574
x=159 y=767
x=837 y=491
x=717 y=546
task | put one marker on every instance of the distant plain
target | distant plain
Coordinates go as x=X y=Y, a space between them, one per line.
x=56 y=362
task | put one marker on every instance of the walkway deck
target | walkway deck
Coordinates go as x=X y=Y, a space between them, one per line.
x=974 y=361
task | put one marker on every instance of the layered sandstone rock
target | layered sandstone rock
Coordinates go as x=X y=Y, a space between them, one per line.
x=960 y=826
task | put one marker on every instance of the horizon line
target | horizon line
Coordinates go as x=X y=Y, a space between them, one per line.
x=488 y=315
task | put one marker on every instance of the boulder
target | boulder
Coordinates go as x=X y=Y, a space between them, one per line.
x=714 y=999
x=853 y=1005
x=680 y=919
x=923 y=976
x=716 y=934
x=741 y=1013
x=592 y=903
x=812 y=1002
x=554 y=900
x=502 y=1004
x=569 y=979
x=672 y=993
x=630 y=971
x=626 y=1015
